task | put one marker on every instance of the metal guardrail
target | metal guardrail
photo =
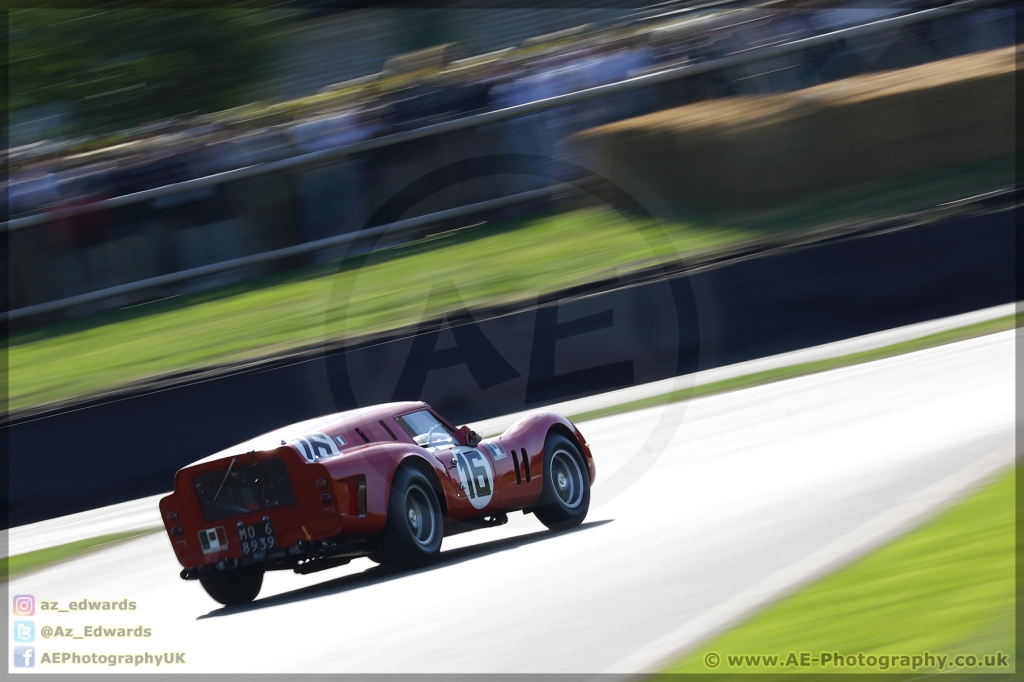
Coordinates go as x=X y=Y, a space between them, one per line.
x=735 y=59
x=472 y=121
x=395 y=228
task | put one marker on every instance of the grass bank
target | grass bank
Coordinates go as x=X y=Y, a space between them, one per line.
x=492 y=264
x=946 y=588
x=11 y=567
x=501 y=262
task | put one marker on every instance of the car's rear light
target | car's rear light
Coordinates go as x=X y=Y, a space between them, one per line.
x=326 y=498
x=329 y=511
x=181 y=545
x=176 y=531
x=321 y=484
x=172 y=517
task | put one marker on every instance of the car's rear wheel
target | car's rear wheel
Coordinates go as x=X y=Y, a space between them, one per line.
x=233 y=587
x=414 y=527
x=566 y=497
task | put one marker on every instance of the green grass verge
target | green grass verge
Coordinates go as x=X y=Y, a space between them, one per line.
x=946 y=588
x=502 y=262
x=41 y=558
x=492 y=264
x=768 y=376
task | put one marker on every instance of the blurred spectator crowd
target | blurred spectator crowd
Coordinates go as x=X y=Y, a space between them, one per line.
x=101 y=248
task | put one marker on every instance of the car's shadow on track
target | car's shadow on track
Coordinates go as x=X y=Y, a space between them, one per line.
x=380 y=574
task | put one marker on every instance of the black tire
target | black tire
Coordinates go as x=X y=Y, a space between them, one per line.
x=414 y=528
x=231 y=588
x=566 y=497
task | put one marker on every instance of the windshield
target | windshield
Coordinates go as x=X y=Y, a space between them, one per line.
x=426 y=429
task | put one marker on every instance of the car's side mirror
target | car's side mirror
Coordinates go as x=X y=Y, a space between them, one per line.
x=468 y=436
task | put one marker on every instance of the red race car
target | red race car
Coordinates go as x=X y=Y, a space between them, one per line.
x=387 y=482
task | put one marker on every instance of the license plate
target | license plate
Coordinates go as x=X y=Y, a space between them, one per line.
x=257 y=538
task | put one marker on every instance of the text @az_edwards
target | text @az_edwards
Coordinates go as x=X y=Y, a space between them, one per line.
x=840 y=661
x=95 y=631
x=85 y=605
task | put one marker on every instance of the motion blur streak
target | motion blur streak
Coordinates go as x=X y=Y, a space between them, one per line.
x=760 y=489
x=80 y=82
x=143 y=513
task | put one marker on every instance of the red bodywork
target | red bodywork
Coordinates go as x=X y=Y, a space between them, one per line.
x=350 y=504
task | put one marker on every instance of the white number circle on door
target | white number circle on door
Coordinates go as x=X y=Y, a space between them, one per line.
x=477 y=477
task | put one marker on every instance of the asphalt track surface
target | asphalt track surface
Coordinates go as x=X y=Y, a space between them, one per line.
x=141 y=514
x=703 y=512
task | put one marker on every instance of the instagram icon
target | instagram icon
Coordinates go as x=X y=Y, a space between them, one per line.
x=24 y=605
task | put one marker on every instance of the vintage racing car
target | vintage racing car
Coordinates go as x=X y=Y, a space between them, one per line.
x=387 y=482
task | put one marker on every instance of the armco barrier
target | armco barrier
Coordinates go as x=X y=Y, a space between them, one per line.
x=119 y=448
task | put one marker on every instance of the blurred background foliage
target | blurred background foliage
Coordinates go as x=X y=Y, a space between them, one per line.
x=115 y=68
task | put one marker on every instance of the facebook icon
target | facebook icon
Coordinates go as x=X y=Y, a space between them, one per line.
x=24 y=657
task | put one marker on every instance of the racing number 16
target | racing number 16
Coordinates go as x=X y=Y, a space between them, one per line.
x=474 y=473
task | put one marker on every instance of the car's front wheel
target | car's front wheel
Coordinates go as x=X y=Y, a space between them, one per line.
x=233 y=587
x=414 y=527
x=566 y=497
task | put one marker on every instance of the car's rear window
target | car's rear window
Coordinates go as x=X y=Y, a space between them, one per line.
x=245 y=488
